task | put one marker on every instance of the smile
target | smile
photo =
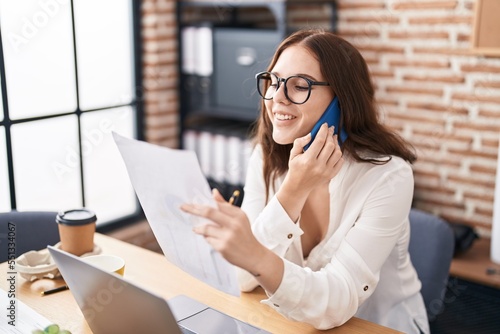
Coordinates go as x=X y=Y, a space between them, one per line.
x=283 y=117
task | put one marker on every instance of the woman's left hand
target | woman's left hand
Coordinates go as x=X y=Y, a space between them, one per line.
x=229 y=234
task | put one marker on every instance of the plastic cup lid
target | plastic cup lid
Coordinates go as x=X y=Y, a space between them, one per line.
x=76 y=217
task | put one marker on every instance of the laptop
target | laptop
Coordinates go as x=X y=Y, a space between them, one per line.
x=113 y=305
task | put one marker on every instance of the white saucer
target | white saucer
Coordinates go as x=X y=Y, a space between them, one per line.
x=34 y=265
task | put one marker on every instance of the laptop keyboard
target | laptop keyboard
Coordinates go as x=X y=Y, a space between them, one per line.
x=184 y=330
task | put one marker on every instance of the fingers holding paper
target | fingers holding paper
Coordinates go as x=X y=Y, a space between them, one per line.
x=230 y=234
x=229 y=231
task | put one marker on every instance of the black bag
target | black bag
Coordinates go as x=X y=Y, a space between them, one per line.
x=464 y=237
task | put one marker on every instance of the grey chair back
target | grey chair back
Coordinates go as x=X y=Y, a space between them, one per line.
x=25 y=231
x=431 y=250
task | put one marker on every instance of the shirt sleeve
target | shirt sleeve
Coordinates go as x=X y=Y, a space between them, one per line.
x=330 y=296
x=326 y=298
x=271 y=225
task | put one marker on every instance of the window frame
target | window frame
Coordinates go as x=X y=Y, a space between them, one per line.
x=137 y=103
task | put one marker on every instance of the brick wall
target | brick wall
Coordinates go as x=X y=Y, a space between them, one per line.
x=161 y=101
x=437 y=94
x=430 y=88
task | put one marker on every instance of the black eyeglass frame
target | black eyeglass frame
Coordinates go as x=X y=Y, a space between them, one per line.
x=284 y=80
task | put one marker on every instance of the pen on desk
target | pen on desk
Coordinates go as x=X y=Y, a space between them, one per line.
x=51 y=291
x=234 y=197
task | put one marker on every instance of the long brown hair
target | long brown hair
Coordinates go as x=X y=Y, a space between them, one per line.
x=346 y=71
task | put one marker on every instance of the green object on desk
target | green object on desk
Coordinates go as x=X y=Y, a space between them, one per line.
x=51 y=329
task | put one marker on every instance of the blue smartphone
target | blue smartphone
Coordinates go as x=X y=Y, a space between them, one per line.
x=332 y=117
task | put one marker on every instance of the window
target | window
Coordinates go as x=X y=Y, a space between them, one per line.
x=69 y=77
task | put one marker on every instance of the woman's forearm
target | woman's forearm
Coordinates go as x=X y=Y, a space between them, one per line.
x=268 y=269
x=292 y=199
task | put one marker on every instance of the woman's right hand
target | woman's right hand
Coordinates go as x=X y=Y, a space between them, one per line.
x=319 y=164
x=307 y=170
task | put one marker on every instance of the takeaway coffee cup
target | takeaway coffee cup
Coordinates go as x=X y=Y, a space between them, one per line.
x=76 y=230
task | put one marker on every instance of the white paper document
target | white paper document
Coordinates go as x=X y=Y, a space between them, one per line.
x=164 y=179
x=19 y=318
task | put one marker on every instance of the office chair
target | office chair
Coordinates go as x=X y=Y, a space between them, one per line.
x=30 y=230
x=431 y=250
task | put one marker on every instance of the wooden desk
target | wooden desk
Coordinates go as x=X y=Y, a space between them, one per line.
x=472 y=265
x=153 y=271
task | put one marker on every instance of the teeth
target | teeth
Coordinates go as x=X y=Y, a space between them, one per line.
x=282 y=117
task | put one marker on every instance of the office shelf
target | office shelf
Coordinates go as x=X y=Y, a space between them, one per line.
x=239 y=50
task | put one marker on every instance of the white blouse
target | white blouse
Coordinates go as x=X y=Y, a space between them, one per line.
x=362 y=267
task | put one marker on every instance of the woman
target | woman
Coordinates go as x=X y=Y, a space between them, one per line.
x=324 y=231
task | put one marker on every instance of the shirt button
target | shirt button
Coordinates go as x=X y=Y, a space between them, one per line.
x=289 y=236
x=365 y=288
x=276 y=305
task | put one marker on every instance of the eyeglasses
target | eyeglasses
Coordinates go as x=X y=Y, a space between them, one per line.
x=297 y=88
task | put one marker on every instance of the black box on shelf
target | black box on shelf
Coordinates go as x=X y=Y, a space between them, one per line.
x=238 y=55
